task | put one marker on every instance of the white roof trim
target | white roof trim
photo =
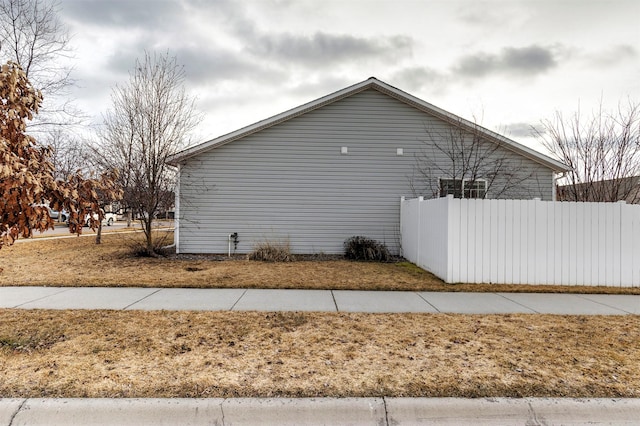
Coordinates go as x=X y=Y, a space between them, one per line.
x=371 y=83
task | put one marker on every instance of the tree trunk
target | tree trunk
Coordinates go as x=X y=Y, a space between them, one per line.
x=147 y=224
x=99 y=234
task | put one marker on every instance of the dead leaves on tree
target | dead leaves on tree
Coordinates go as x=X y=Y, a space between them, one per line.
x=26 y=170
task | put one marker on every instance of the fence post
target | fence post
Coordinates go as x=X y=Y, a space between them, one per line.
x=401 y=225
x=419 y=216
x=451 y=239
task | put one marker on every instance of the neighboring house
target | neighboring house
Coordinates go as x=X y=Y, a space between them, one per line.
x=612 y=190
x=328 y=170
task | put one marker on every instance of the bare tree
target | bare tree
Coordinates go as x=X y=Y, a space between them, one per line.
x=602 y=150
x=32 y=35
x=69 y=154
x=150 y=119
x=460 y=159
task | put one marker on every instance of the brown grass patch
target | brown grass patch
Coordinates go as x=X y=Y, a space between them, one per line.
x=80 y=262
x=232 y=354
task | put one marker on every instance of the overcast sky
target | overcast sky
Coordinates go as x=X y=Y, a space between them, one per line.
x=511 y=63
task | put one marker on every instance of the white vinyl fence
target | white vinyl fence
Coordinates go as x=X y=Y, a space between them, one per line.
x=523 y=241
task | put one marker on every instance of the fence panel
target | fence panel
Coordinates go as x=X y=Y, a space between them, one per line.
x=524 y=241
x=409 y=227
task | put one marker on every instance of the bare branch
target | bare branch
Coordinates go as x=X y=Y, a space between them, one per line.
x=33 y=36
x=454 y=154
x=150 y=119
x=602 y=150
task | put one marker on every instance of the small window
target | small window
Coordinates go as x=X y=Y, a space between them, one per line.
x=463 y=188
x=475 y=189
x=451 y=187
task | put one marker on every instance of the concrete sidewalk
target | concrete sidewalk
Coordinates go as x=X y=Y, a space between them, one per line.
x=320 y=411
x=125 y=298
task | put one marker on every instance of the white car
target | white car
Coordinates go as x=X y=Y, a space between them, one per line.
x=108 y=219
x=54 y=214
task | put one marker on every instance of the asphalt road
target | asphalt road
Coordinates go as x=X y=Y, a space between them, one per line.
x=61 y=230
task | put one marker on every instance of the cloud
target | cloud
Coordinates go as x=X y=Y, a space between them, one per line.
x=480 y=14
x=307 y=50
x=613 y=56
x=124 y=14
x=523 y=61
x=317 y=86
x=200 y=65
x=519 y=130
x=215 y=64
x=417 y=78
x=324 y=48
x=512 y=61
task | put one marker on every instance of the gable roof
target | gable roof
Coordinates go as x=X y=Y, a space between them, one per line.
x=370 y=83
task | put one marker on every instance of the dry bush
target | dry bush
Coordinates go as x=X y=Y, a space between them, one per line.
x=269 y=251
x=363 y=248
x=162 y=244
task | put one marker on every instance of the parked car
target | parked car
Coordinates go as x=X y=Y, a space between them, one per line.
x=62 y=216
x=108 y=219
x=55 y=214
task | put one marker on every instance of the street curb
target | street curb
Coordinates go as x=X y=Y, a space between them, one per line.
x=319 y=411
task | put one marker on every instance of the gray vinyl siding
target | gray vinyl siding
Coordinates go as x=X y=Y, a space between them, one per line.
x=290 y=183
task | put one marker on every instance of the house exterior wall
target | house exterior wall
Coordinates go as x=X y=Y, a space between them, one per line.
x=291 y=183
x=613 y=190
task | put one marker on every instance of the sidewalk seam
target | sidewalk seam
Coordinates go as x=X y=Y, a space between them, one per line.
x=239 y=299
x=517 y=303
x=582 y=296
x=333 y=296
x=62 y=290
x=222 y=410
x=140 y=300
x=427 y=302
x=13 y=416
x=386 y=411
x=533 y=416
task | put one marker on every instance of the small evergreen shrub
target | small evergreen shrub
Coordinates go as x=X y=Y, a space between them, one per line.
x=363 y=248
x=271 y=252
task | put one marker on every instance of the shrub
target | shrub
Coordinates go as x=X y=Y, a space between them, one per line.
x=362 y=248
x=162 y=246
x=271 y=252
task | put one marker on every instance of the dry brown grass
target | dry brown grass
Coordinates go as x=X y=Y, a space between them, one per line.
x=230 y=354
x=227 y=354
x=79 y=262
